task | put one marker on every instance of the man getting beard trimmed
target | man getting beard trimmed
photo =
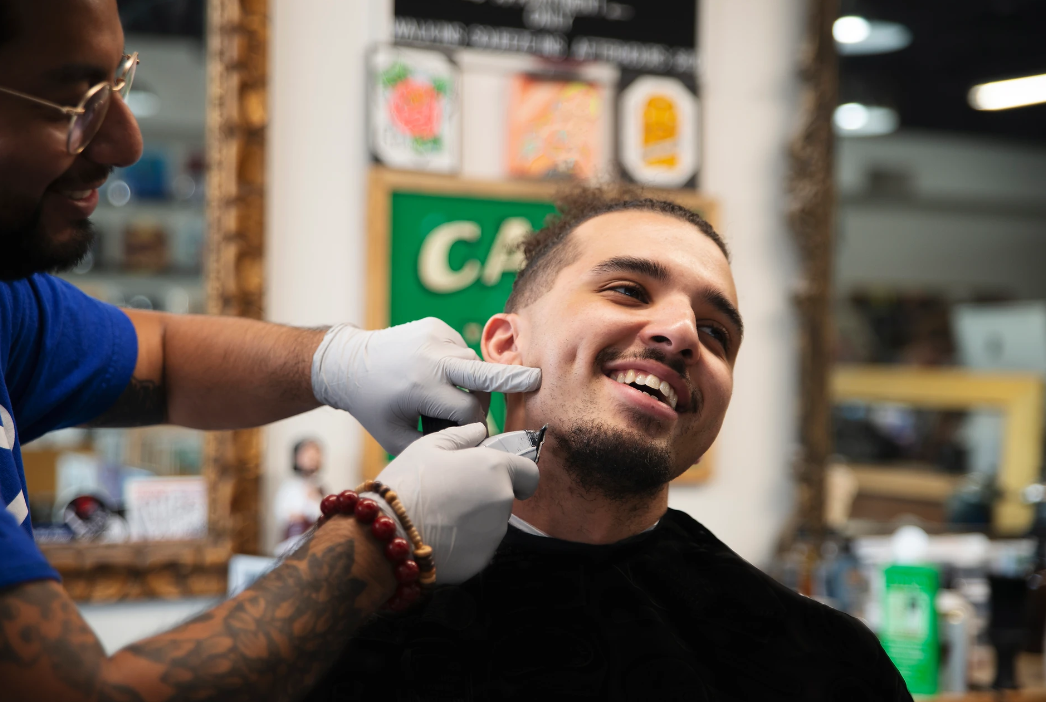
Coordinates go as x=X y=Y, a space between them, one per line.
x=598 y=590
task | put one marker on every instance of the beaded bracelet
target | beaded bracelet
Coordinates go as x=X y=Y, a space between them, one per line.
x=422 y=552
x=396 y=550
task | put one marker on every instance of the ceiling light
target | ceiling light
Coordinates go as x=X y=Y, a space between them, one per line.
x=856 y=35
x=855 y=119
x=1004 y=94
x=851 y=29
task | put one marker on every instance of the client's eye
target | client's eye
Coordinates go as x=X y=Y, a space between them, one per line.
x=717 y=333
x=631 y=290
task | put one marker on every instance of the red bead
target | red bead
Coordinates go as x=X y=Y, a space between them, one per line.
x=407 y=572
x=409 y=593
x=347 y=501
x=397 y=550
x=329 y=505
x=366 y=510
x=383 y=528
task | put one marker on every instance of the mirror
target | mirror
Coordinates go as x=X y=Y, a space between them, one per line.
x=156 y=511
x=938 y=258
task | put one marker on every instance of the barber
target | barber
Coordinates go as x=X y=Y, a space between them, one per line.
x=67 y=359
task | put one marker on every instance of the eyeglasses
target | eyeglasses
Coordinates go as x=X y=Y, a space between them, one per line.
x=86 y=118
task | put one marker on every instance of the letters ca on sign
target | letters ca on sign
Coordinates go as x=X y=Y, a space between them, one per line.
x=434 y=269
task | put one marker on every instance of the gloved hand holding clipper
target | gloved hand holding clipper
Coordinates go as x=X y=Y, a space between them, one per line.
x=386 y=379
x=459 y=495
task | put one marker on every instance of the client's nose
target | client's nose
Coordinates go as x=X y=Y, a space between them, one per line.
x=673 y=329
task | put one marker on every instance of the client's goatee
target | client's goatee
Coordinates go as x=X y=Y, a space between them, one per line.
x=619 y=465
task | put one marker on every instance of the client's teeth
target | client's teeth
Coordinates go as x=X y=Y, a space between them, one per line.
x=665 y=388
x=640 y=378
x=77 y=194
x=652 y=381
x=629 y=376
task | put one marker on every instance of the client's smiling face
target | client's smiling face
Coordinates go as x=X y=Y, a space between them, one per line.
x=636 y=340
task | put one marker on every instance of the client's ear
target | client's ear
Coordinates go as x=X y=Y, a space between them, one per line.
x=500 y=340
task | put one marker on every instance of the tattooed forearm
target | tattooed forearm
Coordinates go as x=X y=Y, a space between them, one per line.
x=142 y=403
x=272 y=642
x=275 y=641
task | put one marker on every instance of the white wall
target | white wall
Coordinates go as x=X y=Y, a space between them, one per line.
x=749 y=51
x=316 y=205
x=316 y=242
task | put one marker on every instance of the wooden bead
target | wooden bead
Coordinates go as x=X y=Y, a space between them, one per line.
x=428 y=577
x=422 y=551
x=391 y=497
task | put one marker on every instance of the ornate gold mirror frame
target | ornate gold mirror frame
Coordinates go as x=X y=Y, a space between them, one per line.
x=811 y=217
x=237 y=69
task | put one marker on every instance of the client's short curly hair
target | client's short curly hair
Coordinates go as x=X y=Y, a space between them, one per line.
x=550 y=248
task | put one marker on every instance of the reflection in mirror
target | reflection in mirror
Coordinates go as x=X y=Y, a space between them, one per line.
x=940 y=217
x=118 y=485
x=897 y=464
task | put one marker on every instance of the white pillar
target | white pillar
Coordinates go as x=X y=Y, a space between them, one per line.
x=316 y=204
x=749 y=54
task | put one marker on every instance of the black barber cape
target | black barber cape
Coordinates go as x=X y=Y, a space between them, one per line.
x=669 y=614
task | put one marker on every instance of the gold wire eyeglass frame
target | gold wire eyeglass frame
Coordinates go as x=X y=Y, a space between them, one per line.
x=122 y=85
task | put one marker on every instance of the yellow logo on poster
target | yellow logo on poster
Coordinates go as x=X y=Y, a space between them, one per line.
x=660 y=132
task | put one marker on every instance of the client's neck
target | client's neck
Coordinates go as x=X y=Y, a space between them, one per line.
x=563 y=510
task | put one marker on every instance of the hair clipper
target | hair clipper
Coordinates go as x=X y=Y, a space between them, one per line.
x=524 y=443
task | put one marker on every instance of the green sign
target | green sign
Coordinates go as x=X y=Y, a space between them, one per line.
x=454 y=257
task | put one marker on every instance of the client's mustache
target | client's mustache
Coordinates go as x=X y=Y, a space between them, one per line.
x=654 y=354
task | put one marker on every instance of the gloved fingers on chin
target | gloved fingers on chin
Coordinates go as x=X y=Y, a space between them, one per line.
x=491 y=377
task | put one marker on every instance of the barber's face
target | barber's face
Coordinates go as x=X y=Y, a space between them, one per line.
x=60 y=50
x=648 y=296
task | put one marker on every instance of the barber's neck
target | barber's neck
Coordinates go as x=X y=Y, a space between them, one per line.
x=561 y=509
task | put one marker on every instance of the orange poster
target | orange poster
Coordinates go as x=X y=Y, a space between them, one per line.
x=555 y=128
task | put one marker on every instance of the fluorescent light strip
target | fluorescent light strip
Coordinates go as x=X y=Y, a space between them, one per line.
x=1005 y=94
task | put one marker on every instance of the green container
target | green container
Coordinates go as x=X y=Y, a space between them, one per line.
x=909 y=631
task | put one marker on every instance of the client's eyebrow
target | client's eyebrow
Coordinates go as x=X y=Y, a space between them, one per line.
x=655 y=270
x=632 y=264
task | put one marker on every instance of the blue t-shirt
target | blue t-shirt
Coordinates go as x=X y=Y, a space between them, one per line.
x=64 y=359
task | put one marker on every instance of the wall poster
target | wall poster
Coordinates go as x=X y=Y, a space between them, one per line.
x=446 y=247
x=555 y=128
x=657 y=130
x=414 y=109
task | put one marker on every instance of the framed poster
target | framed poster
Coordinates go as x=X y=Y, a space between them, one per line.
x=446 y=247
x=414 y=109
x=658 y=130
x=555 y=128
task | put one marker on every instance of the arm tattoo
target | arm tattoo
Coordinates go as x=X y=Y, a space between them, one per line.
x=273 y=642
x=142 y=403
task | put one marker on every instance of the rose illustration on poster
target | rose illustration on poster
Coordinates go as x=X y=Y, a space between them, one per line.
x=413 y=109
x=658 y=132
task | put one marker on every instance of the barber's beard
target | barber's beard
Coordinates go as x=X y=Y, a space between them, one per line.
x=620 y=466
x=26 y=250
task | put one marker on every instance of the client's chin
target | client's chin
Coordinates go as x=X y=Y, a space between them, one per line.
x=622 y=466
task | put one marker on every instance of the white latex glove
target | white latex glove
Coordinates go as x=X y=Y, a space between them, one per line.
x=386 y=379
x=458 y=497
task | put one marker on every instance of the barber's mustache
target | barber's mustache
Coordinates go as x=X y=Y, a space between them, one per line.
x=675 y=363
